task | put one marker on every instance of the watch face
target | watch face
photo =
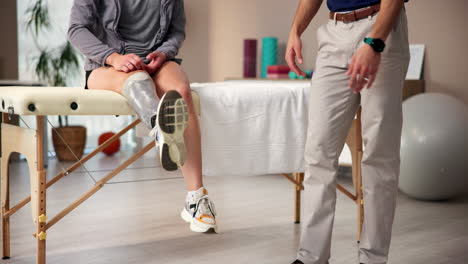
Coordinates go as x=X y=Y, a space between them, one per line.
x=378 y=45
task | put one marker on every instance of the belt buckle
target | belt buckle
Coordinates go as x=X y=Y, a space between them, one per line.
x=345 y=18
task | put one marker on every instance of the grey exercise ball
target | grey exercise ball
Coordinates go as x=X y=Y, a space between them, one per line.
x=434 y=147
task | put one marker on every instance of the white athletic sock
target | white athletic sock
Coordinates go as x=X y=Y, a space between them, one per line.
x=193 y=196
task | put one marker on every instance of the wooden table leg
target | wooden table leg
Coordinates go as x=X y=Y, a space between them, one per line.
x=360 y=198
x=5 y=208
x=5 y=236
x=5 y=197
x=299 y=177
x=358 y=152
x=40 y=188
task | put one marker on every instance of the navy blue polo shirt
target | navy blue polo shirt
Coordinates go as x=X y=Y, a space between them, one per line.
x=350 y=5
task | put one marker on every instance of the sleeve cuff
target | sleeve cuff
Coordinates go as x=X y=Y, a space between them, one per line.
x=170 y=54
x=106 y=55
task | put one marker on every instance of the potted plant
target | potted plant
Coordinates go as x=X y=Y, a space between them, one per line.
x=52 y=66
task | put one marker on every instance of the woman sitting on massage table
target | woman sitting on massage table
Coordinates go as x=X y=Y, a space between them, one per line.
x=130 y=48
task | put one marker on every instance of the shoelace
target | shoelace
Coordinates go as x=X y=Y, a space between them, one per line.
x=205 y=206
x=154 y=133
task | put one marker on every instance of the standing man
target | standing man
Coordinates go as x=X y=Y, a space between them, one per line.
x=362 y=60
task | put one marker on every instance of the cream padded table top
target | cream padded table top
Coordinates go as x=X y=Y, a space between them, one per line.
x=64 y=101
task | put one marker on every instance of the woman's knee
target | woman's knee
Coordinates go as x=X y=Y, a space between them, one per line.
x=185 y=91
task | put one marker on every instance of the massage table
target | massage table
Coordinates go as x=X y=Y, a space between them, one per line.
x=43 y=101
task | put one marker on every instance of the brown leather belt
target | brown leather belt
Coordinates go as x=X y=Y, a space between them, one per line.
x=356 y=14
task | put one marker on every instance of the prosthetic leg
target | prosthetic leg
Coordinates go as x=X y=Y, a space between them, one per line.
x=167 y=118
x=140 y=92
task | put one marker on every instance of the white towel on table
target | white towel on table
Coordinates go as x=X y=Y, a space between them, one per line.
x=253 y=128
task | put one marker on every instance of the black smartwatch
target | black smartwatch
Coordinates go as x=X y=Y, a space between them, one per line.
x=377 y=44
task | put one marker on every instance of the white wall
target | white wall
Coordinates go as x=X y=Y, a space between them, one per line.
x=441 y=25
x=59 y=11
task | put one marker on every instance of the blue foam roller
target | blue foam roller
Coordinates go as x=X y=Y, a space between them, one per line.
x=269 y=53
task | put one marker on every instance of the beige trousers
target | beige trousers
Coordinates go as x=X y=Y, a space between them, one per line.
x=332 y=108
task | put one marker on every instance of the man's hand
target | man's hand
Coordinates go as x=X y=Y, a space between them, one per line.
x=365 y=63
x=363 y=68
x=293 y=53
x=125 y=63
x=157 y=60
x=306 y=10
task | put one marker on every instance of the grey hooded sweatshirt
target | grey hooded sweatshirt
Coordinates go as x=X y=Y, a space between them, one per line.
x=94 y=23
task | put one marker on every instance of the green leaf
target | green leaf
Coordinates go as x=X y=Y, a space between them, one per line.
x=68 y=58
x=43 y=66
x=37 y=17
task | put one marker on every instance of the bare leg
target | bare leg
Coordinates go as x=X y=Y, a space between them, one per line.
x=172 y=77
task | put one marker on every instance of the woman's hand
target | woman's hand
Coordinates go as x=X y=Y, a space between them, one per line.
x=293 y=53
x=157 y=59
x=125 y=63
x=363 y=68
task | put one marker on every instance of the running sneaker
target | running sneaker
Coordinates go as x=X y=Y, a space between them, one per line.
x=170 y=123
x=200 y=212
